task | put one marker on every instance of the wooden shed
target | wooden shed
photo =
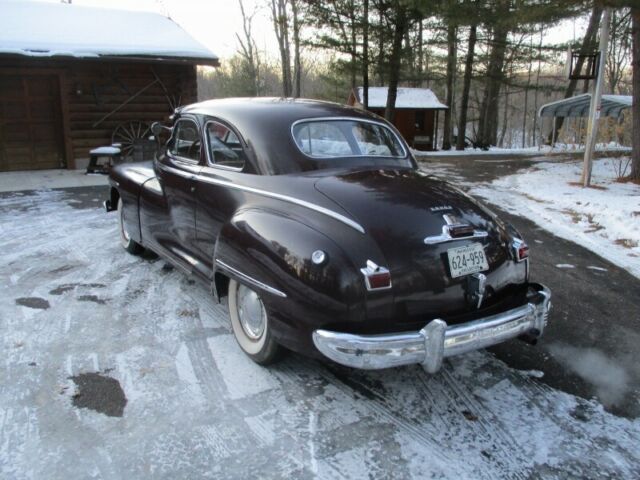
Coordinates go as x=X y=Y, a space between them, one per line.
x=416 y=115
x=73 y=78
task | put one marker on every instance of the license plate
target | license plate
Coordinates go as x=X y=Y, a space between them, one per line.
x=466 y=260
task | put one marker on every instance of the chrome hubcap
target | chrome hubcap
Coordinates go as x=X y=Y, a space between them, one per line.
x=253 y=318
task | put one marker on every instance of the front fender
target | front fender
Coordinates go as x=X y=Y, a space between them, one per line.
x=263 y=247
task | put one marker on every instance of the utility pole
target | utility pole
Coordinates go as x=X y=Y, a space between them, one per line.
x=594 y=109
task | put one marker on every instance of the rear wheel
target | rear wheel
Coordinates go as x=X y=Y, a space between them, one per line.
x=125 y=239
x=250 y=323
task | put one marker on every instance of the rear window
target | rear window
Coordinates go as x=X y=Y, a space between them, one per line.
x=346 y=138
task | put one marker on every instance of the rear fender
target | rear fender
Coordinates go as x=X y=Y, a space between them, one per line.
x=272 y=253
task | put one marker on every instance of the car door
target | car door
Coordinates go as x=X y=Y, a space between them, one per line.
x=225 y=161
x=177 y=170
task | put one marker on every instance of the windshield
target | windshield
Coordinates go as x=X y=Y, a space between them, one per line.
x=330 y=138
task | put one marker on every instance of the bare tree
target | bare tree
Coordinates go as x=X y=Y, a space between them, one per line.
x=248 y=49
x=619 y=52
x=451 y=71
x=635 y=167
x=365 y=55
x=297 y=61
x=280 y=19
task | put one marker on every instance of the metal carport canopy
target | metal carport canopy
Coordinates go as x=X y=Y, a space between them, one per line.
x=578 y=106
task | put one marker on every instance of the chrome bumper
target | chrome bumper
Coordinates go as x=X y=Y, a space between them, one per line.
x=436 y=340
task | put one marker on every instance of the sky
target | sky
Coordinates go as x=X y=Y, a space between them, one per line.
x=214 y=23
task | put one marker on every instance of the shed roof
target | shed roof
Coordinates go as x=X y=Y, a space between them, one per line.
x=415 y=98
x=45 y=29
x=578 y=106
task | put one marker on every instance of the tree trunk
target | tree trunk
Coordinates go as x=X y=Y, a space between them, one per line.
x=635 y=166
x=365 y=55
x=588 y=45
x=354 y=45
x=525 y=114
x=297 y=65
x=420 y=53
x=488 y=124
x=466 y=87
x=451 y=70
x=534 y=137
x=394 y=62
x=281 y=28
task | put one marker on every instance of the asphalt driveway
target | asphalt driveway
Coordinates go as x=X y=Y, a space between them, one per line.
x=118 y=366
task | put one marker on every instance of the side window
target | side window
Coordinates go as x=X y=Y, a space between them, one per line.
x=185 y=141
x=224 y=146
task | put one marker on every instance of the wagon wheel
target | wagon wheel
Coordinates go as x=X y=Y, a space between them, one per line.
x=127 y=133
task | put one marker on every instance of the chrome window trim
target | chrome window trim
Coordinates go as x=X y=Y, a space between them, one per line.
x=210 y=163
x=277 y=196
x=174 y=130
x=354 y=119
x=251 y=280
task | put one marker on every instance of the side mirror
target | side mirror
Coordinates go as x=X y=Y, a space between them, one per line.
x=157 y=128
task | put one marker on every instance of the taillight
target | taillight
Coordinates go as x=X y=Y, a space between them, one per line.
x=376 y=277
x=520 y=249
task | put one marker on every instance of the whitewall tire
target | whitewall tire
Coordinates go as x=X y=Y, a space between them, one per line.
x=125 y=239
x=250 y=324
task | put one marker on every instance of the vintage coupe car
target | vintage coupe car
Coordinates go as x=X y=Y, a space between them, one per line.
x=315 y=221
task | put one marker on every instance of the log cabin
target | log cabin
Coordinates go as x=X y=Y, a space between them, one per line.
x=73 y=78
x=416 y=115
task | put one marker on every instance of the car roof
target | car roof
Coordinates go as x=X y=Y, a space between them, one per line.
x=264 y=123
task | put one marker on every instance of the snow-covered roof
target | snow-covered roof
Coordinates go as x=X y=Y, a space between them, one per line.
x=578 y=106
x=45 y=29
x=407 y=98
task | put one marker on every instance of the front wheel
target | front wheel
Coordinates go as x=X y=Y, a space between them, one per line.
x=126 y=241
x=250 y=324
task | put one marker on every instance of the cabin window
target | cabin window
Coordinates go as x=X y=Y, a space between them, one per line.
x=330 y=138
x=225 y=149
x=185 y=142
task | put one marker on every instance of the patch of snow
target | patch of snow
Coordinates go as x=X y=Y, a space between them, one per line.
x=601 y=219
x=565 y=265
x=597 y=269
x=45 y=29
x=528 y=151
x=242 y=378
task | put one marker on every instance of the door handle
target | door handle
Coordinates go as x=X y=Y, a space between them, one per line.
x=193 y=189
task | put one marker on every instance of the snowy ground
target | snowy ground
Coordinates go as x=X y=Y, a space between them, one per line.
x=529 y=151
x=74 y=304
x=605 y=219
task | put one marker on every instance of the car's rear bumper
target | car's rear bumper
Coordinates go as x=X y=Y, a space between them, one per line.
x=436 y=340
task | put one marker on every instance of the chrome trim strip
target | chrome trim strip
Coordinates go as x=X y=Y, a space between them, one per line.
x=436 y=340
x=284 y=198
x=251 y=280
x=353 y=119
x=265 y=193
x=445 y=237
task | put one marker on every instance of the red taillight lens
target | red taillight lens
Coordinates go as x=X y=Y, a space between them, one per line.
x=379 y=280
x=376 y=277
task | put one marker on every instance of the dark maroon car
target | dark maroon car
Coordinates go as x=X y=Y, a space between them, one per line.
x=316 y=223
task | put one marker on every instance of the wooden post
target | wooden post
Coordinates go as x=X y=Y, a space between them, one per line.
x=553 y=134
x=594 y=108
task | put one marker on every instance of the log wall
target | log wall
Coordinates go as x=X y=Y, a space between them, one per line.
x=92 y=89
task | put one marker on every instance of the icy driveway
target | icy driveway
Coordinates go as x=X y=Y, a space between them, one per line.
x=73 y=304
